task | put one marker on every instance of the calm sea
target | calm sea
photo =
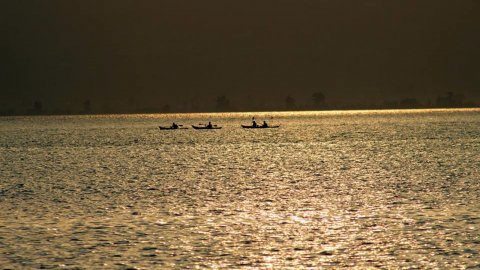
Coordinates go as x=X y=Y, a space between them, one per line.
x=352 y=189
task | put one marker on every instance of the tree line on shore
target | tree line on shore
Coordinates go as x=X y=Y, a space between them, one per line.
x=318 y=101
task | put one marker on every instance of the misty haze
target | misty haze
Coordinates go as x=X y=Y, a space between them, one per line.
x=160 y=56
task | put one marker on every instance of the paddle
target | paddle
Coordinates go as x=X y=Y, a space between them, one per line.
x=271 y=118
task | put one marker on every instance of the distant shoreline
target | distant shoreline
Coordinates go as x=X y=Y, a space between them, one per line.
x=426 y=109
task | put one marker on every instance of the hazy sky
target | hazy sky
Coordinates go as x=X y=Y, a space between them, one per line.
x=157 y=51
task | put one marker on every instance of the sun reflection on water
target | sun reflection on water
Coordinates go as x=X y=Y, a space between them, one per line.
x=356 y=189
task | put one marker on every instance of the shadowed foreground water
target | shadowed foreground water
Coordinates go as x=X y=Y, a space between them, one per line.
x=388 y=189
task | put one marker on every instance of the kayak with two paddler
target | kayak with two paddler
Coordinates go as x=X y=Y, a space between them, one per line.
x=245 y=126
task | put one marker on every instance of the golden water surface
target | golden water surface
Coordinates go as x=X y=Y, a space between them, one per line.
x=356 y=189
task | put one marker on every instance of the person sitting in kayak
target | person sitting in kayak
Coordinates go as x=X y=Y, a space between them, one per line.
x=265 y=125
x=209 y=125
x=174 y=126
x=254 y=124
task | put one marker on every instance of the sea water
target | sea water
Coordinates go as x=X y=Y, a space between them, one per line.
x=352 y=189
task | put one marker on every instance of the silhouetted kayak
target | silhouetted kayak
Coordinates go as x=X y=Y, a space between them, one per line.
x=205 y=127
x=244 y=126
x=171 y=128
